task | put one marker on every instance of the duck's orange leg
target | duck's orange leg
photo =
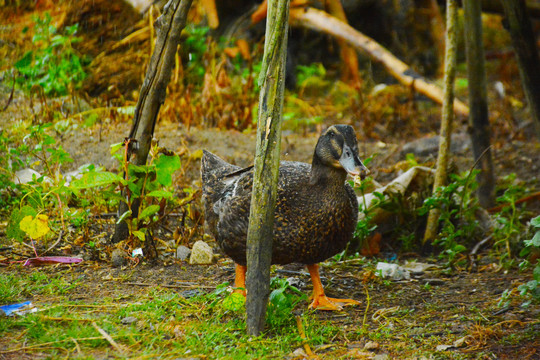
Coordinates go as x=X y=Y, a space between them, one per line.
x=320 y=301
x=240 y=279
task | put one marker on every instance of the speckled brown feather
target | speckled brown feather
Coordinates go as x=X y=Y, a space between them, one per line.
x=316 y=211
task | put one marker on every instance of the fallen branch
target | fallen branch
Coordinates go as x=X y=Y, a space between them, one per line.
x=534 y=196
x=179 y=286
x=320 y=21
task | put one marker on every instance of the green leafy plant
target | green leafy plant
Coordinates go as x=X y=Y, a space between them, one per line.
x=53 y=65
x=532 y=288
x=193 y=50
x=45 y=193
x=509 y=228
x=312 y=74
x=457 y=206
x=282 y=300
x=149 y=184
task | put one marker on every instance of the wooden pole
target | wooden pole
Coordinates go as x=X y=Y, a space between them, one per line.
x=479 y=127
x=265 y=177
x=524 y=41
x=447 y=114
x=153 y=92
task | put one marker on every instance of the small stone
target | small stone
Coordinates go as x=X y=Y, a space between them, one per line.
x=118 y=258
x=183 y=252
x=434 y=282
x=461 y=341
x=381 y=357
x=429 y=146
x=128 y=320
x=190 y=293
x=299 y=354
x=443 y=347
x=371 y=346
x=201 y=254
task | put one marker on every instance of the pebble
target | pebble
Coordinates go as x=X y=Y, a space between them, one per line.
x=371 y=345
x=118 y=258
x=183 y=252
x=201 y=254
x=128 y=320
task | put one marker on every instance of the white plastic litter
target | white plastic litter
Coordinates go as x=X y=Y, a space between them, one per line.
x=392 y=271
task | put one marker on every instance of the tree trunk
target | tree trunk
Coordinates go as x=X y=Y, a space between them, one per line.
x=447 y=114
x=479 y=127
x=524 y=42
x=348 y=55
x=152 y=95
x=265 y=177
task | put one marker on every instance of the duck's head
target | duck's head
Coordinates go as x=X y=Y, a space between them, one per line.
x=338 y=148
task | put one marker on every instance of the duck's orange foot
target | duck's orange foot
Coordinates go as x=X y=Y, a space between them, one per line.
x=322 y=302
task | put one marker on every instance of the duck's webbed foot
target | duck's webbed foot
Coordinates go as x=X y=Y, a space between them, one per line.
x=320 y=300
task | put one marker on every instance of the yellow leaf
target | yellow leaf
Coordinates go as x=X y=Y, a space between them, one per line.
x=35 y=227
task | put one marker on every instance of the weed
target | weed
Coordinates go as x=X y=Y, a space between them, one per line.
x=54 y=65
x=509 y=227
x=45 y=193
x=311 y=75
x=282 y=300
x=532 y=288
x=193 y=50
x=457 y=207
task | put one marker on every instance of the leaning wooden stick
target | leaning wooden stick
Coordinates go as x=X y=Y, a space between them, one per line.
x=320 y=21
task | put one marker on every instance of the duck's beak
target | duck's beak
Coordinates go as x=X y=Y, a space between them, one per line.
x=351 y=163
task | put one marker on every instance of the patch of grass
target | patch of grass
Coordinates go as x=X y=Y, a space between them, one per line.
x=165 y=324
x=18 y=288
x=53 y=66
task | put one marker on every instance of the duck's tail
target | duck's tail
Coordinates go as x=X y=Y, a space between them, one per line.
x=213 y=166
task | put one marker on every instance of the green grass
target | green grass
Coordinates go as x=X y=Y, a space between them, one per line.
x=167 y=325
x=19 y=288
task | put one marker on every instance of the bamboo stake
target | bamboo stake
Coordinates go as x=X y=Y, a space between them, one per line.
x=447 y=114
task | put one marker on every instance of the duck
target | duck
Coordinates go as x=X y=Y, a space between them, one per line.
x=315 y=215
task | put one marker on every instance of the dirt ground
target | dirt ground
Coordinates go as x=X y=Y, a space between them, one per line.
x=413 y=316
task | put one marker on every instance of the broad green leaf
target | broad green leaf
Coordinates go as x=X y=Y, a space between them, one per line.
x=149 y=211
x=139 y=234
x=116 y=147
x=536 y=239
x=25 y=61
x=94 y=179
x=278 y=299
x=166 y=166
x=35 y=227
x=536 y=272
x=124 y=216
x=161 y=194
x=234 y=302
x=536 y=222
x=13 y=230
